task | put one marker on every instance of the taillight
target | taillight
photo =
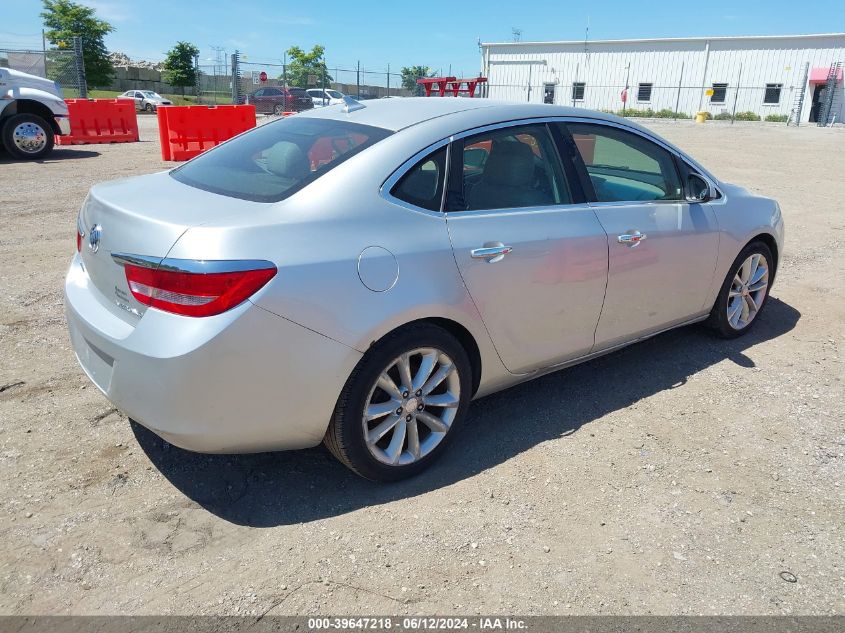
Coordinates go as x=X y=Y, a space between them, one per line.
x=80 y=233
x=196 y=294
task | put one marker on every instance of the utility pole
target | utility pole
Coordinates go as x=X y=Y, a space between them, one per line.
x=678 y=99
x=358 y=81
x=736 y=94
x=627 y=77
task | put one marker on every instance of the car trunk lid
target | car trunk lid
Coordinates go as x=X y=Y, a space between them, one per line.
x=140 y=217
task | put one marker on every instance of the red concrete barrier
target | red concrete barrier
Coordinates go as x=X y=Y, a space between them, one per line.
x=186 y=131
x=100 y=121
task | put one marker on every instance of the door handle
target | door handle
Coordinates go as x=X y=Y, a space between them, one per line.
x=633 y=238
x=492 y=254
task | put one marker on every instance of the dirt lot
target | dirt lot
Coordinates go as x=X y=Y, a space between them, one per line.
x=682 y=475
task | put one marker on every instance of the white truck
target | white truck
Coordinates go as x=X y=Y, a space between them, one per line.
x=32 y=114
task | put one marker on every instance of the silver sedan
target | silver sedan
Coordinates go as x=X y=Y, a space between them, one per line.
x=355 y=275
x=145 y=100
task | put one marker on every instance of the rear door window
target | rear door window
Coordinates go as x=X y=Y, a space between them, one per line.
x=274 y=161
x=510 y=168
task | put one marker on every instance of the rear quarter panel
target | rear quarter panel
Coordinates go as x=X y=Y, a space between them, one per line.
x=316 y=237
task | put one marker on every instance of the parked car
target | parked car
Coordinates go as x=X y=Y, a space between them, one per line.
x=275 y=100
x=231 y=305
x=145 y=100
x=32 y=114
x=322 y=97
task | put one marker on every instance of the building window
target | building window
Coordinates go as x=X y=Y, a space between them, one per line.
x=548 y=93
x=772 y=96
x=644 y=93
x=720 y=91
x=578 y=90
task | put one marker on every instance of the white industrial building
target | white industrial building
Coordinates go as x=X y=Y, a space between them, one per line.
x=760 y=74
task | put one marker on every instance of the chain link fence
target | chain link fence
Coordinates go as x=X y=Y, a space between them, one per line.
x=65 y=67
x=774 y=102
x=239 y=78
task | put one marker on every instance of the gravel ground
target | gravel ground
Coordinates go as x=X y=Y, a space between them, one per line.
x=684 y=475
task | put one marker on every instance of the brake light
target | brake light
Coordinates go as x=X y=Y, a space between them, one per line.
x=195 y=294
x=79 y=235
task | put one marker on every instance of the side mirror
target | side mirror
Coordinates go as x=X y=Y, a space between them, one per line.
x=698 y=189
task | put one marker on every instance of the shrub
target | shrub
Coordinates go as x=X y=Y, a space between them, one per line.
x=723 y=116
x=666 y=113
x=777 y=118
x=636 y=114
x=648 y=113
x=747 y=116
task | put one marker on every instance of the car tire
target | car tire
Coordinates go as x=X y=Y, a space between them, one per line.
x=278 y=109
x=346 y=437
x=744 y=286
x=27 y=136
x=148 y=107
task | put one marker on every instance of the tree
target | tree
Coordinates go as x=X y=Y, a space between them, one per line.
x=410 y=74
x=65 y=20
x=307 y=70
x=179 y=67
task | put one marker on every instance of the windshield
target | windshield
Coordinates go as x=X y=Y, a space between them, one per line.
x=151 y=94
x=275 y=160
x=334 y=94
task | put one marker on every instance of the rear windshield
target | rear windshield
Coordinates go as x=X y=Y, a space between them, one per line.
x=299 y=92
x=275 y=160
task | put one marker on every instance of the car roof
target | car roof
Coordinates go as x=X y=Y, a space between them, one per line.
x=441 y=117
x=398 y=114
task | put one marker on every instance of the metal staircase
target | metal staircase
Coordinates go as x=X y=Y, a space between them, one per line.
x=826 y=112
x=798 y=102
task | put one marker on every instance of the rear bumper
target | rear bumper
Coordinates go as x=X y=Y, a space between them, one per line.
x=243 y=381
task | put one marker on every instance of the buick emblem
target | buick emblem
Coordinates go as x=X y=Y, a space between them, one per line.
x=94 y=236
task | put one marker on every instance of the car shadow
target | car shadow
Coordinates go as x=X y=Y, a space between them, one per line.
x=58 y=153
x=270 y=489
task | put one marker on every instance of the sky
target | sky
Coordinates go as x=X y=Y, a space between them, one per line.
x=435 y=33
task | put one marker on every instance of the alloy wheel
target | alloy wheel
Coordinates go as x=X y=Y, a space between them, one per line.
x=411 y=406
x=29 y=137
x=748 y=291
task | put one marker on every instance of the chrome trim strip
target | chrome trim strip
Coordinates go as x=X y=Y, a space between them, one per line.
x=136 y=260
x=199 y=266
